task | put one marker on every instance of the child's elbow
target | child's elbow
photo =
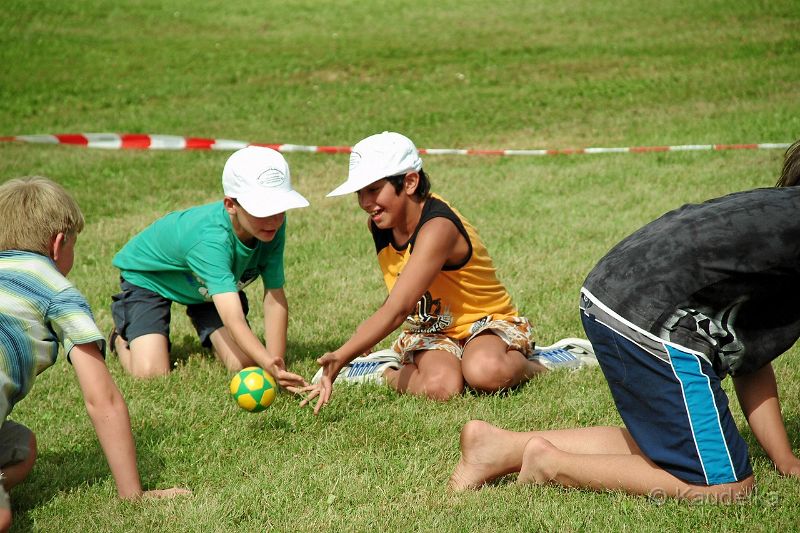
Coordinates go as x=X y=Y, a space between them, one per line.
x=398 y=315
x=103 y=400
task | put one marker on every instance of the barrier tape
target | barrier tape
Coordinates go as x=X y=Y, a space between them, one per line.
x=135 y=141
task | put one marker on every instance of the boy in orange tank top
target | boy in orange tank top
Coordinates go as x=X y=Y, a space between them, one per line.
x=461 y=327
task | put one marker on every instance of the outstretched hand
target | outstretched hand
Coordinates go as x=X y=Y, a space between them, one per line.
x=330 y=369
x=291 y=382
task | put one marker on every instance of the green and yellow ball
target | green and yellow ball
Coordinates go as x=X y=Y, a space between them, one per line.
x=253 y=389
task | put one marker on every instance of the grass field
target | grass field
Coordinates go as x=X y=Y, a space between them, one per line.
x=467 y=74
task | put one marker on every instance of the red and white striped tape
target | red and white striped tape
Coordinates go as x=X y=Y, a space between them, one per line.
x=135 y=141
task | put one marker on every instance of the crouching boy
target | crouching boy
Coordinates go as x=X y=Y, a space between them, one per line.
x=40 y=310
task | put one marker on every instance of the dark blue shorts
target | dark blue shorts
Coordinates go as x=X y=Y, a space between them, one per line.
x=138 y=311
x=670 y=399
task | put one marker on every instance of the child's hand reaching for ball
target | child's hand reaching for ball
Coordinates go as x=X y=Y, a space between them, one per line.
x=287 y=380
x=331 y=365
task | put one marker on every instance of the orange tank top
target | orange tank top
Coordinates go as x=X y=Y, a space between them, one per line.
x=462 y=297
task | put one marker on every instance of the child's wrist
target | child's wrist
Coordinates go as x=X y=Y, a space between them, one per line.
x=274 y=363
x=131 y=493
x=789 y=465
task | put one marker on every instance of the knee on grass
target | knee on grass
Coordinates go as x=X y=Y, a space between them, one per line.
x=32 y=455
x=148 y=356
x=235 y=365
x=148 y=369
x=443 y=387
x=5 y=519
x=492 y=374
x=442 y=392
x=16 y=473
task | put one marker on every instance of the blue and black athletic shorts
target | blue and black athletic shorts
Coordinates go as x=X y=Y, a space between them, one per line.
x=669 y=398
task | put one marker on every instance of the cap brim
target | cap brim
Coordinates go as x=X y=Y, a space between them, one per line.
x=356 y=182
x=346 y=188
x=272 y=203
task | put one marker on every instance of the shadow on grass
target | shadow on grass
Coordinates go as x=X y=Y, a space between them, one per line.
x=308 y=351
x=502 y=393
x=53 y=473
x=65 y=471
x=183 y=347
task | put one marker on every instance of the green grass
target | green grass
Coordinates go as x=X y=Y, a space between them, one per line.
x=503 y=74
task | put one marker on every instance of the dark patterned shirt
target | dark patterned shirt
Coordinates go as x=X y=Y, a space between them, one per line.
x=721 y=277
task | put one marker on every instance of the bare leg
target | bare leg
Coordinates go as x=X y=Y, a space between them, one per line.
x=488 y=452
x=147 y=356
x=435 y=374
x=633 y=473
x=489 y=365
x=15 y=473
x=227 y=351
x=12 y=475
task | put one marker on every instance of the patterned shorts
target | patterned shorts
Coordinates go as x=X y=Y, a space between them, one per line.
x=516 y=332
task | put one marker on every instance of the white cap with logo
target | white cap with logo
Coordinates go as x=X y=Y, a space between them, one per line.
x=258 y=178
x=376 y=157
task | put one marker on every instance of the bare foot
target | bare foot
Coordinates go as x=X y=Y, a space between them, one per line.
x=487 y=452
x=537 y=467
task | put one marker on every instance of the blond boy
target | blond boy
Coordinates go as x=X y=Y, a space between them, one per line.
x=40 y=310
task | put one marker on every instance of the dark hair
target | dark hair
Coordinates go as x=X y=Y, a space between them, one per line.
x=790 y=176
x=423 y=186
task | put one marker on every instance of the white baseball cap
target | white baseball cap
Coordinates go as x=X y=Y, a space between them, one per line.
x=258 y=178
x=376 y=157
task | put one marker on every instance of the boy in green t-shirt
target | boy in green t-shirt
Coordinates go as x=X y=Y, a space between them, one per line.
x=203 y=257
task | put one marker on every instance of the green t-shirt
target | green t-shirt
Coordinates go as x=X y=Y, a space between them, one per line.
x=188 y=256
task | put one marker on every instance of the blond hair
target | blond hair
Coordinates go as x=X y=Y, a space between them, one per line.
x=34 y=210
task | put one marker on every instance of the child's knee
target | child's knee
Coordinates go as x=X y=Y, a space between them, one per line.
x=23 y=468
x=732 y=492
x=34 y=446
x=443 y=388
x=148 y=357
x=20 y=454
x=33 y=453
x=5 y=519
x=492 y=374
x=148 y=368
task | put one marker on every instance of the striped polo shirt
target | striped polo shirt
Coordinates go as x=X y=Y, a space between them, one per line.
x=39 y=310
